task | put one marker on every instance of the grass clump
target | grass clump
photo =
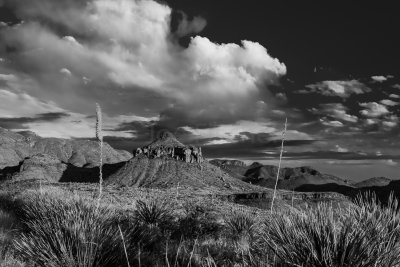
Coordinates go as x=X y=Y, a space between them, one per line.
x=58 y=232
x=367 y=234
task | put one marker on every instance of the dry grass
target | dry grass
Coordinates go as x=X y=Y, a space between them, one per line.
x=7 y=224
x=61 y=227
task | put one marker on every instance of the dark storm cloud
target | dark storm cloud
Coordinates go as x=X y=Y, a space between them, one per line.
x=20 y=122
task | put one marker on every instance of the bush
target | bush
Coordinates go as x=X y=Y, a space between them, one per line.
x=60 y=232
x=197 y=222
x=367 y=234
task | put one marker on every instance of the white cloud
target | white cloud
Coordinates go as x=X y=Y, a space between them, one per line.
x=337 y=111
x=394 y=96
x=185 y=27
x=396 y=86
x=389 y=102
x=338 y=88
x=380 y=78
x=330 y=123
x=23 y=105
x=230 y=131
x=8 y=77
x=341 y=149
x=390 y=124
x=65 y=72
x=126 y=48
x=373 y=109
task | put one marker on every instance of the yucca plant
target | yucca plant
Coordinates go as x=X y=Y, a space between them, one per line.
x=99 y=137
x=366 y=235
x=57 y=232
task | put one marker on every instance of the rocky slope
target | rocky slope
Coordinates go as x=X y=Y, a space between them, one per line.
x=168 y=171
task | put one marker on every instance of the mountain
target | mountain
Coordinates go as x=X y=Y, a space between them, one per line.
x=25 y=156
x=235 y=168
x=375 y=181
x=265 y=175
x=167 y=163
x=15 y=147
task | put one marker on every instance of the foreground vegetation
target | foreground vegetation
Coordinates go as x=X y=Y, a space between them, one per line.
x=56 y=228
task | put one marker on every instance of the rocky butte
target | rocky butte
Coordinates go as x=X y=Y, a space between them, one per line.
x=168 y=146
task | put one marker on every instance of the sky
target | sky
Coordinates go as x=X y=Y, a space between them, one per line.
x=223 y=75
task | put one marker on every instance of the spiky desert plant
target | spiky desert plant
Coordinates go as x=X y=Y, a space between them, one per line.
x=367 y=235
x=279 y=166
x=99 y=137
x=59 y=232
x=242 y=228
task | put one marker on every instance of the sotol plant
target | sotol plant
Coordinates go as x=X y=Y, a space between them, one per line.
x=99 y=137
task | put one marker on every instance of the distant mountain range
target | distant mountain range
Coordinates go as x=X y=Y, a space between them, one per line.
x=300 y=178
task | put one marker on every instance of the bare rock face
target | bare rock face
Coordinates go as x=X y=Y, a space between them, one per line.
x=167 y=146
x=41 y=167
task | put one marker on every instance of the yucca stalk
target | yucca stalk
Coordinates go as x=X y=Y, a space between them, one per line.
x=99 y=137
x=279 y=166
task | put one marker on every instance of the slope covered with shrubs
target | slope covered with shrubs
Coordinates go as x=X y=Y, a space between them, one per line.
x=62 y=229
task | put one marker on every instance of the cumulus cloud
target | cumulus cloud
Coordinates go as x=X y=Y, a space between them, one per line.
x=186 y=26
x=380 y=78
x=338 y=88
x=336 y=111
x=373 y=109
x=124 y=51
x=331 y=123
x=389 y=102
x=394 y=96
x=341 y=149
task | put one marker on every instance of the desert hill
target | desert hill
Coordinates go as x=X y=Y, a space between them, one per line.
x=15 y=147
x=167 y=163
x=26 y=156
x=375 y=181
x=235 y=168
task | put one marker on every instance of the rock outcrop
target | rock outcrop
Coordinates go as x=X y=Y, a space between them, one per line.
x=168 y=146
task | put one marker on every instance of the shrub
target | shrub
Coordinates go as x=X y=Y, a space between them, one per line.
x=197 y=222
x=58 y=232
x=367 y=234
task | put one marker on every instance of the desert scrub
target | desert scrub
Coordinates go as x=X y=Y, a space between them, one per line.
x=197 y=220
x=7 y=230
x=58 y=232
x=366 y=234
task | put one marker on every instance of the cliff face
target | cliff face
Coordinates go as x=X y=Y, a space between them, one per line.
x=168 y=146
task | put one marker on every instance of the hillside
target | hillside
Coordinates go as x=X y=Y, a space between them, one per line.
x=15 y=147
x=289 y=178
x=375 y=181
x=25 y=156
x=235 y=168
x=167 y=163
